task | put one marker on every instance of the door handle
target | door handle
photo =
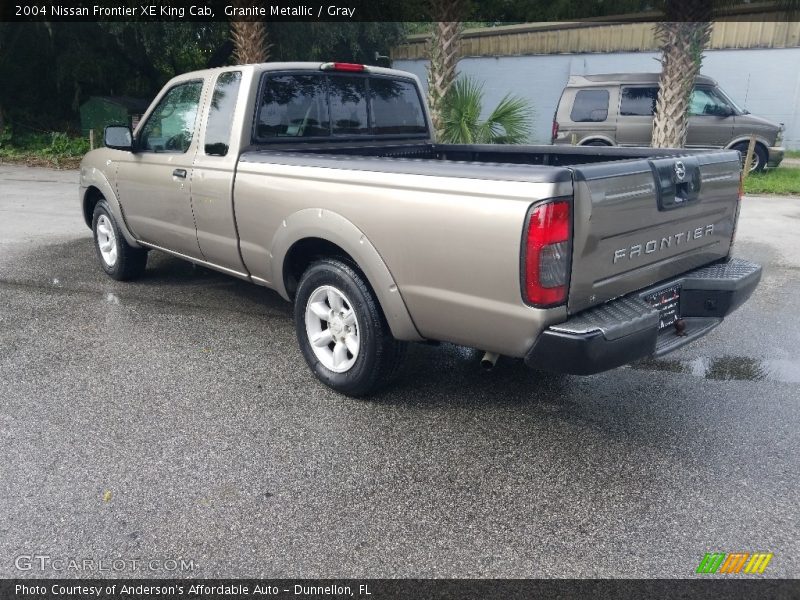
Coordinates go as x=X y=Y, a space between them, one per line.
x=179 y=173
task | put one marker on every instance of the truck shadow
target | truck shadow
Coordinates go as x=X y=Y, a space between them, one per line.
x=446 y=374
x=72 y=267
x=434 y=377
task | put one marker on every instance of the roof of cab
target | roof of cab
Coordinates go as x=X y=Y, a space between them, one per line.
x=287 y=66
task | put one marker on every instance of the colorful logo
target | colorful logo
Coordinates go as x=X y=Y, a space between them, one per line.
x=738 y=562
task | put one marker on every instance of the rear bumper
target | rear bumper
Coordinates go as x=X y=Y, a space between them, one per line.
x=627 y=329
x=775 y=157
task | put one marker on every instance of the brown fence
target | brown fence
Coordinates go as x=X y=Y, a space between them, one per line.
x=746 y=30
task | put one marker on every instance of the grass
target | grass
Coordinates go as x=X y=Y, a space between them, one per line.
x=792 y=154
x=55 y=149
x=783 y=180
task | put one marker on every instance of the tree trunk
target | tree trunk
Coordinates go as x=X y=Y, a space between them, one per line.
x=249 y=40
x=443 y=51
x=682 y=45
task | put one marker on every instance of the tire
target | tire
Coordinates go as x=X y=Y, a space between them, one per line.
x=117 y=258
x=360 y=355
x=597 y=143
x=760 y=156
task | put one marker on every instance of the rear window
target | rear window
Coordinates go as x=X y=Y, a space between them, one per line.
x=293 y=106
x=590 y=106
x=638 y=101
x=348 y=97
x=395 y=107
x=323 y=105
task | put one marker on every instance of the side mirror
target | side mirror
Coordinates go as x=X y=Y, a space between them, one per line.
x=724 y=111
x=118 y=137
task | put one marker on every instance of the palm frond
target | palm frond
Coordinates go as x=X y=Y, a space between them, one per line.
x=509 y=123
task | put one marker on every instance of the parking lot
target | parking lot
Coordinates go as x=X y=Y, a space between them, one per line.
x=174 y=418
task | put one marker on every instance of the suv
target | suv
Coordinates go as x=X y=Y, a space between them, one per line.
x=617 y=110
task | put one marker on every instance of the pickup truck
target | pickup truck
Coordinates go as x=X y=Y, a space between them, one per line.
x=323 y=182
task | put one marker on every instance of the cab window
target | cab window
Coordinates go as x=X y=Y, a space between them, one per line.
x=316 y=105
x=348 y=101
x=293 y=106
x=220 y=113
x=590 y=106
x=170 y=127
x=396 y=107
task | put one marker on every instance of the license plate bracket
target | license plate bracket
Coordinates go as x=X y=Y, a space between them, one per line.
x=667 y=301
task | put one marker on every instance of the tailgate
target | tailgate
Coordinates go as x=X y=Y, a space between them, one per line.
x=643 y=221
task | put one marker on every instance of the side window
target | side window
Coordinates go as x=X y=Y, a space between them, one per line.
x=395 y=107
x=220 y=113
x=705 y=101
x=348 y=96
x=590 y=106
x=171 y=125
x=638 y=101
x=293 y=106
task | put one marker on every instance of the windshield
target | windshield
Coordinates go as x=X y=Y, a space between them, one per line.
x=736 y=107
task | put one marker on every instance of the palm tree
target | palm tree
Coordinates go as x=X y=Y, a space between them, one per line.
x=443 y=52
x=509 y=123
x=249 y=40
x=683 y=36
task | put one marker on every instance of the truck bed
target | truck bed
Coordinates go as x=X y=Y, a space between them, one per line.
x=487 y=154
x=630 y=228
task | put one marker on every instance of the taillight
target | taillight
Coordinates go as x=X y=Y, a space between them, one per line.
x=340 y=66
x=554 y=131
x=546 y=253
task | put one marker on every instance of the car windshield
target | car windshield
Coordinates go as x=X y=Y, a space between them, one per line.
x=739 y=110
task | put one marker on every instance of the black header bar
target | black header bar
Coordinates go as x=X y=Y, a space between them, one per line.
x=497 y=11
x=391 y=589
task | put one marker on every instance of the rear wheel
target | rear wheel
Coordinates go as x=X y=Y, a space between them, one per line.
x=342 y=332
x=118 y=259
x=759 y=161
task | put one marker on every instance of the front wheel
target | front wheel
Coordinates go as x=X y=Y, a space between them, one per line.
x=759 y=161
x=342 y=332
x=119 y=260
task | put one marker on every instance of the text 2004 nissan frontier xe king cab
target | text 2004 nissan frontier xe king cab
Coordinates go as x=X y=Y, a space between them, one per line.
x=322 y=182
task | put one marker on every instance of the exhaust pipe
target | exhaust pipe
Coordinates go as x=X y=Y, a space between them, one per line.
x=489 y=360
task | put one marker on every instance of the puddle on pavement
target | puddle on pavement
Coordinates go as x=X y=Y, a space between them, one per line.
x=725 y=368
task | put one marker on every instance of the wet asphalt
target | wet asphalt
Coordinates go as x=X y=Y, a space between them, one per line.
x=174 y=418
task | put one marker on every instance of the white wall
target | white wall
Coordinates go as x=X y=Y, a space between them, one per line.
x=765 y=81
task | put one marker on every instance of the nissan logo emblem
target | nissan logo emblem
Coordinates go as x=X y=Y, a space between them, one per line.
x=680 y=170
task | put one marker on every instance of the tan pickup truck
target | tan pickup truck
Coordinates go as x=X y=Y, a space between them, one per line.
x=322 y=182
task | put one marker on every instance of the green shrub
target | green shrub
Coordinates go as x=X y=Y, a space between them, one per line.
x=63 y=146
x=49 y=149
x=5 y=137
x=510 y=122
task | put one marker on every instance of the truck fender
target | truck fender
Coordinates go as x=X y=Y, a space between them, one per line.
x=92 y=177
x=336 y=229
x=746 y=140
